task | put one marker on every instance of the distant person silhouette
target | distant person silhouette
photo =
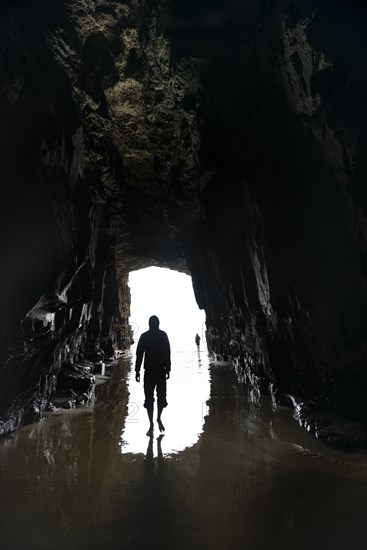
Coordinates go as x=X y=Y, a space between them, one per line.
x=154 y=344
x=197 y=340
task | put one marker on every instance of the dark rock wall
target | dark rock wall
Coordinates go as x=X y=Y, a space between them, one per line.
x=61 y=179
x=224 y=139
x=282 y=136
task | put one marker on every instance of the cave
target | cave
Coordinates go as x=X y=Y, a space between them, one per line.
x=224 y=140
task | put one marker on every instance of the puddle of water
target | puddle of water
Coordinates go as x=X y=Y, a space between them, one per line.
x=187 y=393
x=240 y=476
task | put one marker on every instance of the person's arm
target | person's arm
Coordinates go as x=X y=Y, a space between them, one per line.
x=168 y=349
x=139 y=358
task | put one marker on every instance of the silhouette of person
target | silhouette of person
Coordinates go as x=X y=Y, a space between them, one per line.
x=197 y=340
x=154 y=346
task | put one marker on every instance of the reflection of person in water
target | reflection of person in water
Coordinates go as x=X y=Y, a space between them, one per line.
x=197 y=340
x=155 y=513
x=149 y=460
x=154 y=346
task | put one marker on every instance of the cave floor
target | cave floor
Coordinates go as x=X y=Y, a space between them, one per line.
x=230 y=472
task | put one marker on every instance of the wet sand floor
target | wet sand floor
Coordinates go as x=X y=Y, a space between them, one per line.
x=84 y=479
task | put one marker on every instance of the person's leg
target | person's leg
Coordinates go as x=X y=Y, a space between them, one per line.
x=149 y=400
x=159 y=421
x=151 y=425
x=161 y=398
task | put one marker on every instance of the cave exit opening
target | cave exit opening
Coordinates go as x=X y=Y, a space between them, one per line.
x=169 y=295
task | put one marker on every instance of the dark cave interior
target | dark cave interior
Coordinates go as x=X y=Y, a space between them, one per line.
x=224 y=139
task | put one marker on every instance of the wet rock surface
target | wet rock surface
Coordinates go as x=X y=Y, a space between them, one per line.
x=225 y=140
x=75 y=384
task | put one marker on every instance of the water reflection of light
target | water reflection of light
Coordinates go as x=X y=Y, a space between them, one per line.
x=169 y=295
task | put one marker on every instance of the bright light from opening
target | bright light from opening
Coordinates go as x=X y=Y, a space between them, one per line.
x=169 y=295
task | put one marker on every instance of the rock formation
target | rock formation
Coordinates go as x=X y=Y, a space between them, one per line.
x=223 y=139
